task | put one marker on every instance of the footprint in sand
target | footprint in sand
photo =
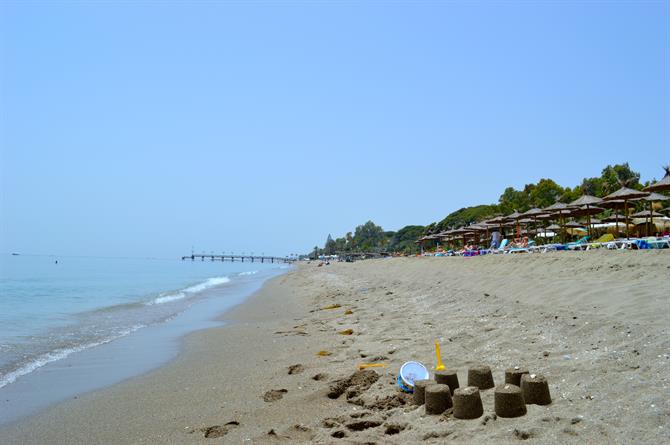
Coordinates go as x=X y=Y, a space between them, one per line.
x=295 y=369
x=274 y=394
x=212 y=432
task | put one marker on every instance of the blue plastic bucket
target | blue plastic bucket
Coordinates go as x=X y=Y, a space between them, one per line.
x=409 y=372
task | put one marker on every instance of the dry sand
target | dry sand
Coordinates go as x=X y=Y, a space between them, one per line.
x=594 y=323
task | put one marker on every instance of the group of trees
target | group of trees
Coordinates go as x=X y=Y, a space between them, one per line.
x=370 y=237
x=367 y=237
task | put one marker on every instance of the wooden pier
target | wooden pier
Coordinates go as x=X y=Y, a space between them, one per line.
x=240 y=258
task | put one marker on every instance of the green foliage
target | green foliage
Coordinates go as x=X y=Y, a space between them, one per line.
x=430 y=228
x=512 y=200
x=545 y=193
x=404 y=240
x=330 y=247
x=467 y=215
x=369 y=237
x=610 y=180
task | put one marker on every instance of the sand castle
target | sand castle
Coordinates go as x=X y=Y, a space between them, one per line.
x=510 y=398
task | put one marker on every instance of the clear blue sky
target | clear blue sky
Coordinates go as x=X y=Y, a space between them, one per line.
x=143 y=129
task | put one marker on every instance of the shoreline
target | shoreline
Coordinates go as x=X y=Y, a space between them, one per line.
x=112 y=362
x=598 y=316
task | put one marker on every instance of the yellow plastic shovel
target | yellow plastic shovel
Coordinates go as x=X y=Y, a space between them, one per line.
x=372 y=365
x=440 y=365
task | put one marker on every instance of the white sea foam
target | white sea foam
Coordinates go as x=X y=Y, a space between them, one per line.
x=207 y=284
x=58 y=354
x=251 y=272
x=216 y=281
x=167 y=298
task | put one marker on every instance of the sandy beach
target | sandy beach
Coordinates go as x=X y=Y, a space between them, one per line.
x=594 y=323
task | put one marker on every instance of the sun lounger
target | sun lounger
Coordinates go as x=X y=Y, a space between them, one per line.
x=579 y=244
x=502 y=248
x=602 y=241
x=658 y=243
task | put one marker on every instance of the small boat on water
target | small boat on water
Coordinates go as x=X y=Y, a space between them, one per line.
x=15 y=254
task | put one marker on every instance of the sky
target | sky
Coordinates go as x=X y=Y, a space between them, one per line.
x=151 y=128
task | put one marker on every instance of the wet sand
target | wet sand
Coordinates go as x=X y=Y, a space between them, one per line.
x=594 y=323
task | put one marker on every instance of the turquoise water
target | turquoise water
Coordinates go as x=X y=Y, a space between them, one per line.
x=52 y=307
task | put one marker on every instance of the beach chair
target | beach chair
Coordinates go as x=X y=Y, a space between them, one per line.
x=658 y=243
x=501 y=248
x=602 y=241
x=529 y=246
x=579 y=244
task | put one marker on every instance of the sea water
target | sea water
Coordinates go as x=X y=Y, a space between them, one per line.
x=67 y=309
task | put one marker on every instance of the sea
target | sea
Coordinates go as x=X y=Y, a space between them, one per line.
x=69 y=325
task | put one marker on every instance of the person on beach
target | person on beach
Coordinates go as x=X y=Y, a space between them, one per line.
x=495 y=239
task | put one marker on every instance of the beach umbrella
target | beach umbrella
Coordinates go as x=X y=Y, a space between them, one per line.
x=515 y=217
x=553 y=228
x=615 y=204
x=572 y=225
x=585 y=201
x=647 y=214
x=651 y=198
x=461 y=231
x=499 y=220
x=663 y=184
x=587 y=211
x=559 y=210
x=626 y=194
x=613 y=218
x=534 y=213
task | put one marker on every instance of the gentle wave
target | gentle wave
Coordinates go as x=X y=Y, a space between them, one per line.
x=251 y=272
x=59 y=354
x=216 y=281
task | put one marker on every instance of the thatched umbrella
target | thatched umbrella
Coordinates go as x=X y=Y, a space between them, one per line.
x=651 y=198
x=573 y=225
x=499 y=220
x=515 y=217
x=475 y=230
x=462 y=231
x=586 y=201
x=534 y=213
x=617 y=204
x=561 y=210
x=587 y=211
x=552 y=227
x=663 y=184
x=613 y=218
x=627 y=194
x=648 y=216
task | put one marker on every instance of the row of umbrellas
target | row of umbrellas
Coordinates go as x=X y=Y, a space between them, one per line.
x=585 y=205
